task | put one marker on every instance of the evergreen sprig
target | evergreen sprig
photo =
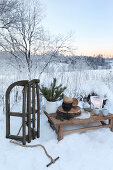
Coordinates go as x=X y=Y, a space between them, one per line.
x=53 y=93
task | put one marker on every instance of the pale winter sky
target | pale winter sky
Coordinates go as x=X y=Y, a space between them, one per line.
x=90 y=20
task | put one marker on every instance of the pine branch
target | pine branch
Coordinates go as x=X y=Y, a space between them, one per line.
x=53 y=93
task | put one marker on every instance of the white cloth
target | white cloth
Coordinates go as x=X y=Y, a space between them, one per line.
x=84 y=115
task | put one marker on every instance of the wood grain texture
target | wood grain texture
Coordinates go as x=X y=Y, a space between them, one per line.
x=52 y=116
x=24 y=115
x=38 y=110
x=28 y=111
x=72 y=111
x=111 y=125
x=85 y=129
x=60 y=124
x=60 y=132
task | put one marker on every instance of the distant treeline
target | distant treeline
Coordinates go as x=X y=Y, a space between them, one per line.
x=93 y=62
x=83 y=62
x=97 y=61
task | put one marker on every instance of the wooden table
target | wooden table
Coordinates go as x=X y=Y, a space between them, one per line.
x=58 y=125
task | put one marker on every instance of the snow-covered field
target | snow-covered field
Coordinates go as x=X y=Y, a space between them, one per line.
x=91 y=150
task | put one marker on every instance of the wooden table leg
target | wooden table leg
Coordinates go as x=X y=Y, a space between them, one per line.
x=51 y=125
x=60 y=132
x=111 y=125
x=109 y=121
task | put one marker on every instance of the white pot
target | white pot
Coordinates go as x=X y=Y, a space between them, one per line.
x=51 y=107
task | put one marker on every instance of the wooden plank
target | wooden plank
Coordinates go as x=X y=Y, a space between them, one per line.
x=20 y=138
x=49 y=117
x=93 y=118
x=53 y=127
x=85 y=129
x=50 y=122
x=17 y=114
x=79 y=121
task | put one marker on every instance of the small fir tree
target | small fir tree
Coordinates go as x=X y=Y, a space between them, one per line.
x=53 y=93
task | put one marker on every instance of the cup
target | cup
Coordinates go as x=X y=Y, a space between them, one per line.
x=66 y=106
x=96 y=111
x=105 y=112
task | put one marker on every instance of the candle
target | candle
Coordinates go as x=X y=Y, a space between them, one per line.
x=96 y=101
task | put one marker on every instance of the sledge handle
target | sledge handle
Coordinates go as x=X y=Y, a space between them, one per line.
x=53 y=161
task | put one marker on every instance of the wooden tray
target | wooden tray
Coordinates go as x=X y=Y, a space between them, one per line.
x=74 y=112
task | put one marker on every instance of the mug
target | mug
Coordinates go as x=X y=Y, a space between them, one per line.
x=96 y=111
x=105 y=112
x=66 y=106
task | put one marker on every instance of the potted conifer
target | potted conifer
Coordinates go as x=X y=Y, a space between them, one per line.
x=52 y=94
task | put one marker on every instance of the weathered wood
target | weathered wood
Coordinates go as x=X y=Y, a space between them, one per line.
x=60 y=124
x=38 y=111
x=73 y=110
x=29 y=113
x=20 y=138
x=16 y=114
x=33 y=111
x=53 y=127
x=60 y=132
x=111 y=124
x=78 y=121
x=7 y=113
x=103 y=123
x=24 y=115
x=85 y=129
x=26 y=111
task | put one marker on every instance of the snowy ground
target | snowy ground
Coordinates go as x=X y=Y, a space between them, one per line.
x=91 y=150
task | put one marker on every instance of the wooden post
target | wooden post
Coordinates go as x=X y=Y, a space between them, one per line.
x=23 y=115
x=29 y=112
x=38 y=111
x=111 y=124
x=7 y=114
x=33 y=110
x=60 y=132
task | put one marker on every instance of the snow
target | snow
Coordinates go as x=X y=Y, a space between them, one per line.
x=91 y=150
x=84 y=115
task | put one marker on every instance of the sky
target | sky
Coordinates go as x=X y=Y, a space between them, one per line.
x=90 y=21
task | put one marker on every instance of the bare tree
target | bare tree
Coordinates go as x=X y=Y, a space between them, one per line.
x=7 y=12
x=21 y=37
x=56 y=46
x=22 y=34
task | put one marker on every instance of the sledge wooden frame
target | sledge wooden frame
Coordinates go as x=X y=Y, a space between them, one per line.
x=58 y=125
x=30 y=93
